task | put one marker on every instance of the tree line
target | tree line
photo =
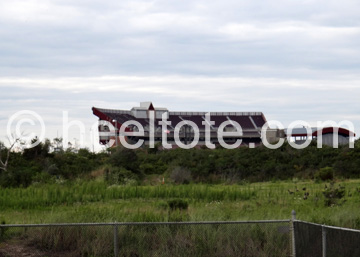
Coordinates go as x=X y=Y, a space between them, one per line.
x=42 y=164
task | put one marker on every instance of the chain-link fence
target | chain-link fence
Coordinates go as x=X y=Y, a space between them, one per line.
x=277 y=238
x=253 y=238
x=314 y=240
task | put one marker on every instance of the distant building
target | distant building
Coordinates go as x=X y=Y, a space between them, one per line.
x=250 y=122
x=327 y=134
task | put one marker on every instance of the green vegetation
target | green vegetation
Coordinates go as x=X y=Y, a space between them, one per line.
x=160 y=240
x=95 y=201
x=143 y=185
x=178 y=204
x=122 y=166
x=324 y=174
x=41 y=186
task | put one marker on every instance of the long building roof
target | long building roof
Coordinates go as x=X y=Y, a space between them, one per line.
x=250 y=122
x=317 y=131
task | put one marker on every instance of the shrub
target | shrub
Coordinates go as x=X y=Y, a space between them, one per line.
x=324 y=174
x=333 y=195
x=180 y=175
x=125 y=158
x=178 y=204
x=42 y=177
x=98 y=173
x=115 y=175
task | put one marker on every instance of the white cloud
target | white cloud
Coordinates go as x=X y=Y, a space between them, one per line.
x=38 y=12
x=172 y=83
x=291 y=30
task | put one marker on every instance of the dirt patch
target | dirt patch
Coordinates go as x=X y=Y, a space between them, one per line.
x=21 y=248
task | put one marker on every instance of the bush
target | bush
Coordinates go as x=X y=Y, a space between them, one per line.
x=333 y=195
x=125 y=158
x=178 y=204
x=149 y=167
x=115 y=175
x=324 y=174
x=42 y=177
x=18 y=177
x=180 y=175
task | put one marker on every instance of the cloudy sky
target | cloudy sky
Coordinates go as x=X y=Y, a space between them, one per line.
x=292 y=60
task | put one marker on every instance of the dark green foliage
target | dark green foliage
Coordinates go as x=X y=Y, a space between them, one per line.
x=333 y=194
x=40 y=150
x=324 y=174
x=126 y=158
x=180 y=175
x=18 y=177
x=42 y=177
x=116 y=175
x=3 y=231
x=203 y=165
x=179 y=204
x=70 y=165
x=151 y=164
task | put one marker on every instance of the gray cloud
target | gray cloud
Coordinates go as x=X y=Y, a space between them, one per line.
x=141 y=37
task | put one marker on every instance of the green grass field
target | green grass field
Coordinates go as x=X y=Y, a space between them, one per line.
x=94 y=201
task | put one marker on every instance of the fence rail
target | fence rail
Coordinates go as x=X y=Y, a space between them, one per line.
x=143 y=223
x=263 y=238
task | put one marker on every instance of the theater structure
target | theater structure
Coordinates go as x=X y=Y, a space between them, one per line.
x=147 y=125
x=186 y=122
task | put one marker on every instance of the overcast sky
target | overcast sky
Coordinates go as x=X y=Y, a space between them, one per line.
x=291 y=60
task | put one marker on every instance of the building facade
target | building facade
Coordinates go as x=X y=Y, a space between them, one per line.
x=187 y=127
x=147 y=125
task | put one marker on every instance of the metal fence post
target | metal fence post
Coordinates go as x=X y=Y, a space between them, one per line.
x=116 y=247
x=293 y=248
x=323 y=232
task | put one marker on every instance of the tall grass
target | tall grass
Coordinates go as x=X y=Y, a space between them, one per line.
x=54 y=194
x=260 y=240
x=95 y=201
